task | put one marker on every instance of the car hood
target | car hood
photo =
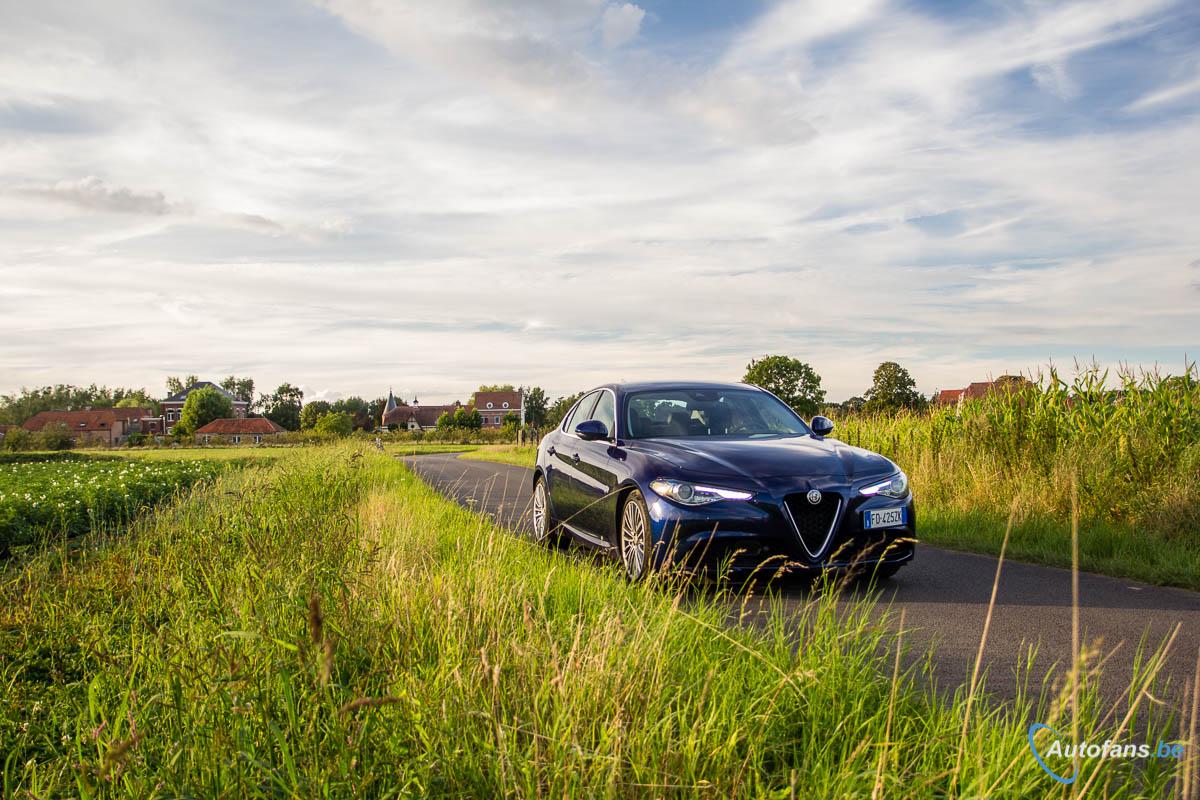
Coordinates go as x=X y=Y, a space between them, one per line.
x=760 y=459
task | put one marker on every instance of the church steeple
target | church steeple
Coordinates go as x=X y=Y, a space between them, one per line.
x=388 y=407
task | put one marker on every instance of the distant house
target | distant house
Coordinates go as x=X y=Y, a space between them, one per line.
x=495 y=406
x=239 y=430
x=173 y=405
x=977 y=390
x=4 y=429
x=109 y=426
x=414 y=416
x=492 y=408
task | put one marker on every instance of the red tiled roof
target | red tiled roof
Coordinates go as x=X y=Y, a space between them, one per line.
x=978 y=389
x=497 y=399
x=237 y=426
x=131 y=413
x=98 y=419
x=950 y=395
x=426 y=416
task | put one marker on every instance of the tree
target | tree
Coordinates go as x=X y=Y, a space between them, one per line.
x=311 y=412
x=241 y=388
x=535 y=406
x=445 y=420
x=893 y=388
x=137 y=399
x=360 y=412
x=337 y=423
x=202 y=407
x=56 y=436
x=789 y=379
x=283 y=406
x=175 y=385
x=375 y=412
x=511 y=418
x=468 y=418
x=497 y=387
x=854 y=405
x=560 y=408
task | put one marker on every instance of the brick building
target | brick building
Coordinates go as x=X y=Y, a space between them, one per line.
x=238 y=430
x=495 y=406
x=173 y=405
x=108 y=426
x=414 y=417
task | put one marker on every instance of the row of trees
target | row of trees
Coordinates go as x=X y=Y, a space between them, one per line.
x=18 y=407
x=799 y=385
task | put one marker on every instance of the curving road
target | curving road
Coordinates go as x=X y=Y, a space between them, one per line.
x=945 y=596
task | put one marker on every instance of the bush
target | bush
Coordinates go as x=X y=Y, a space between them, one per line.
x=335 y=423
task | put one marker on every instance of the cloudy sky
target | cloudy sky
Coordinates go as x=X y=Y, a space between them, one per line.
x=357 y=194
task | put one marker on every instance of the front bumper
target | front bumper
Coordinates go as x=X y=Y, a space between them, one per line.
x=771 y=534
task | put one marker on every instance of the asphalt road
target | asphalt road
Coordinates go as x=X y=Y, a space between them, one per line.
x=945 y=597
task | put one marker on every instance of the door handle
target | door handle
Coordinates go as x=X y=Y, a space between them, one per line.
x=550 y=451
x=575 y=458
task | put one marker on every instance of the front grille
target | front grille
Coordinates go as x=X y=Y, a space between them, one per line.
x=813 y=523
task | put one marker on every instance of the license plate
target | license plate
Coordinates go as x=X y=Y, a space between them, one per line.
x=883 y=518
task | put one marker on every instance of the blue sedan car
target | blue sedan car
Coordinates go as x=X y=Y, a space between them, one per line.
x=717 y=476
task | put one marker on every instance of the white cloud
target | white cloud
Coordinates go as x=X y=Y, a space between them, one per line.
x=1165 y=96
x=621 y=23
x=93 y=194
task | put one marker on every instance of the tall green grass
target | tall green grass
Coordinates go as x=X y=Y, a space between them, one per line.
x=1134 y=448
x=329 y=626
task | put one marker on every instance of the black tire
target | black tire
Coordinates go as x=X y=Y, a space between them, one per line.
x=634 y=547
x=545 y=530
x=883 y=572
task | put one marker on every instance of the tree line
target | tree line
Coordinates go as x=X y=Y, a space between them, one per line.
x=793 y=381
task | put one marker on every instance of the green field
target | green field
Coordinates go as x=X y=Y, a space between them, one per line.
x=61 y=498
x=328 y=625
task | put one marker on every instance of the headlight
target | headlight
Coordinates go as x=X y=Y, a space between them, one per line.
x=693 y=494
x=895 y=486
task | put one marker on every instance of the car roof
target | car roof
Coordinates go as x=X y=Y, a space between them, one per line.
x=661 y=386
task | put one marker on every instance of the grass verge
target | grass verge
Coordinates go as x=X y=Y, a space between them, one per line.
x=521 y=456
x=329 y=626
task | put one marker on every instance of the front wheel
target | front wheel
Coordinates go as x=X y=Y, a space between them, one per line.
x=635 y=536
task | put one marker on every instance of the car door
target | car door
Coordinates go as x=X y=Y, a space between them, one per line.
x=566 y=486
x=598 y=472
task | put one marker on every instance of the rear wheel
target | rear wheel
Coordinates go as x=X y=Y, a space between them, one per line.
x=635 y=536
x=544 y=529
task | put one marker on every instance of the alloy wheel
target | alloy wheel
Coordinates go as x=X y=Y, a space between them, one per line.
x=633 y=538
x=541 y=517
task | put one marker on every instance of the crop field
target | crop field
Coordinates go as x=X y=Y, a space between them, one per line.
x=328 y=625
x=41 y=499
x=1134 y=455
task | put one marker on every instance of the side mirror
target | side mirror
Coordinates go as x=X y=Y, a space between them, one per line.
x=822 y=426
x=591 y=429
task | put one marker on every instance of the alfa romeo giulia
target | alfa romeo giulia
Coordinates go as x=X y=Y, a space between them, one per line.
x=720 y=476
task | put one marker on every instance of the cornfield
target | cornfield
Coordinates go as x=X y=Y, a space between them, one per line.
x=1132 y=443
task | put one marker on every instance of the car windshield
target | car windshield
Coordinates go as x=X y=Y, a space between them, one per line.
x=738 y=413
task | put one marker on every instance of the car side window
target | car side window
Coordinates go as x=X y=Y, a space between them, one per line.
x=580 y=412
x=606 y=412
